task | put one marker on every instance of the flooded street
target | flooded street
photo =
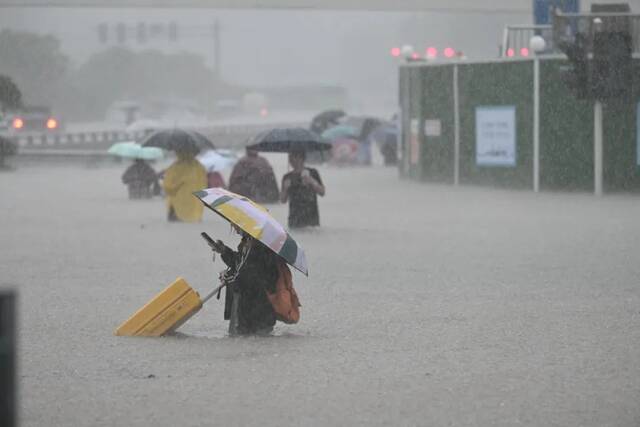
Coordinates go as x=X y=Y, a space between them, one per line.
x=425 y=305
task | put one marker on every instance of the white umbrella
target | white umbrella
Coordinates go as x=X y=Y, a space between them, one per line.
x=214 y=161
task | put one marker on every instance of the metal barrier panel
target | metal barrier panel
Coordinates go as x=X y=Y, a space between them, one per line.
x=488 y=91
x=438 y=127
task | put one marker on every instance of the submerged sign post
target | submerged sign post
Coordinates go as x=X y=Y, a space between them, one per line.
x=496 y=135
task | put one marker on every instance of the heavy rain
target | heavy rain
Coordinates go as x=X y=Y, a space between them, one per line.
x=414 y=213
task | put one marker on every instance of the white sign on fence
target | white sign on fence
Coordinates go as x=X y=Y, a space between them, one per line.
x=432 y=127
x=414 y=142
x=496 y=135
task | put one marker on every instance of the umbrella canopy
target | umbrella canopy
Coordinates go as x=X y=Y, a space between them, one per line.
x=325 y=120
x=329 y=116
x=131 y=150
x=340 y=131
x=255 y=220
x=215 y=161
x=284 y=140
x=178 y=140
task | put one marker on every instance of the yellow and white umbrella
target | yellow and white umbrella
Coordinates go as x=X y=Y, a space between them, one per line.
x=256 y=221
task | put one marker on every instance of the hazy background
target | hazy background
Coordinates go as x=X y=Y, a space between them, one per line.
x=261 y=48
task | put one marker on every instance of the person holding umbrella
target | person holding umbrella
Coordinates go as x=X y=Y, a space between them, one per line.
x=140 y=178
x=185 y=175
x=301 y=186
x=259 y=288
x=252 y=272
x=181 y=179
x=253 y=177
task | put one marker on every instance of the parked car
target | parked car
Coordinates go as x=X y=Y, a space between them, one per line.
x=32 y=119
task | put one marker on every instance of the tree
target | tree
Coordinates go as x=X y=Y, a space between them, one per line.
x=10 y=99
x=35 y=63
x=122 y=74
x=10 y=95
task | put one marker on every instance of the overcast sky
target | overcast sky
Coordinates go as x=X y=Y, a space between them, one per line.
x=286 y=47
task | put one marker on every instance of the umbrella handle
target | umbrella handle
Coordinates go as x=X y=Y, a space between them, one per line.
x=212 y=293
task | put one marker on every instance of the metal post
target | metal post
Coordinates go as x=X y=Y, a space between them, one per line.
x=216 y=48
x=8 y=395
x=456 y=128
x=597 y=148
x=536 y=124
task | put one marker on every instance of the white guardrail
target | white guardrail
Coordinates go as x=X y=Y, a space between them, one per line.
x=227 y=136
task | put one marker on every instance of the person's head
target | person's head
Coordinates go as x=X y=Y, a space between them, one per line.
x=251 y=152
x=297 y=159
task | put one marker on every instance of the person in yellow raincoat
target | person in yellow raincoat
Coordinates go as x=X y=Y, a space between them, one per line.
x=181 y=179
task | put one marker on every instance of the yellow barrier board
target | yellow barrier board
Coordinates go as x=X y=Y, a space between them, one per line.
x=165 y=313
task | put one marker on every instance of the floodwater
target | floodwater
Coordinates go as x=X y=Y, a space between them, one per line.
x=425 y=305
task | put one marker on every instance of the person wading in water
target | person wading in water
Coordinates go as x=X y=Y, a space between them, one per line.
x=301 y=188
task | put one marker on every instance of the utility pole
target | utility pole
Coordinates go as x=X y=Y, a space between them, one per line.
x=216 y=49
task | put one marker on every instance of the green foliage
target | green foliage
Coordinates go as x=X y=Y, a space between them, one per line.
x=119 y=73
x=35 y=63
x=10 y=95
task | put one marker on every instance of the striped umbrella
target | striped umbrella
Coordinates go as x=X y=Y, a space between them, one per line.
x=256 y=221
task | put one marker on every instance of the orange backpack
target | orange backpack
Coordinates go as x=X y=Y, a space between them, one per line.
x=285 y=300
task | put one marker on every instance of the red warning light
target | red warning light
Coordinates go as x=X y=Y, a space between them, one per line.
x=432 y=52
x=415 y=55
x=264 y=112
x=18 y=123
x=524 y=51
x=395 y=51
x=52 y=123
x=449 y=52
x=510 y=52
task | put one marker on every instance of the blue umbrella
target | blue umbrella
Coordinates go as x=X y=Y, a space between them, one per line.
x=340 y=131
x=131 y=150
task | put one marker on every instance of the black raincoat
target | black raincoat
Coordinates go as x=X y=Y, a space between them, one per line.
x=252 y=271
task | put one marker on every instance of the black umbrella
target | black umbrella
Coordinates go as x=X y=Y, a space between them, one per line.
x=286 y=140
x=178 y=140
x=325 y=120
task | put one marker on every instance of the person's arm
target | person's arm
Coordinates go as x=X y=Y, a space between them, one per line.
x=312 y=179
x=170 y=184
x=284 y=193
x=227 y=254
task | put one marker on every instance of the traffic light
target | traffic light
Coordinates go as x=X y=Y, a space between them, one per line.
x=103 y=33
x=612 y=68
x=577 y=76
x=173 y=31
x=121 y=33
x=141 y=32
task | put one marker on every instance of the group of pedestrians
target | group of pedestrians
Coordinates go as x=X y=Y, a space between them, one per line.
x=252 y=176
x=256 y=279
